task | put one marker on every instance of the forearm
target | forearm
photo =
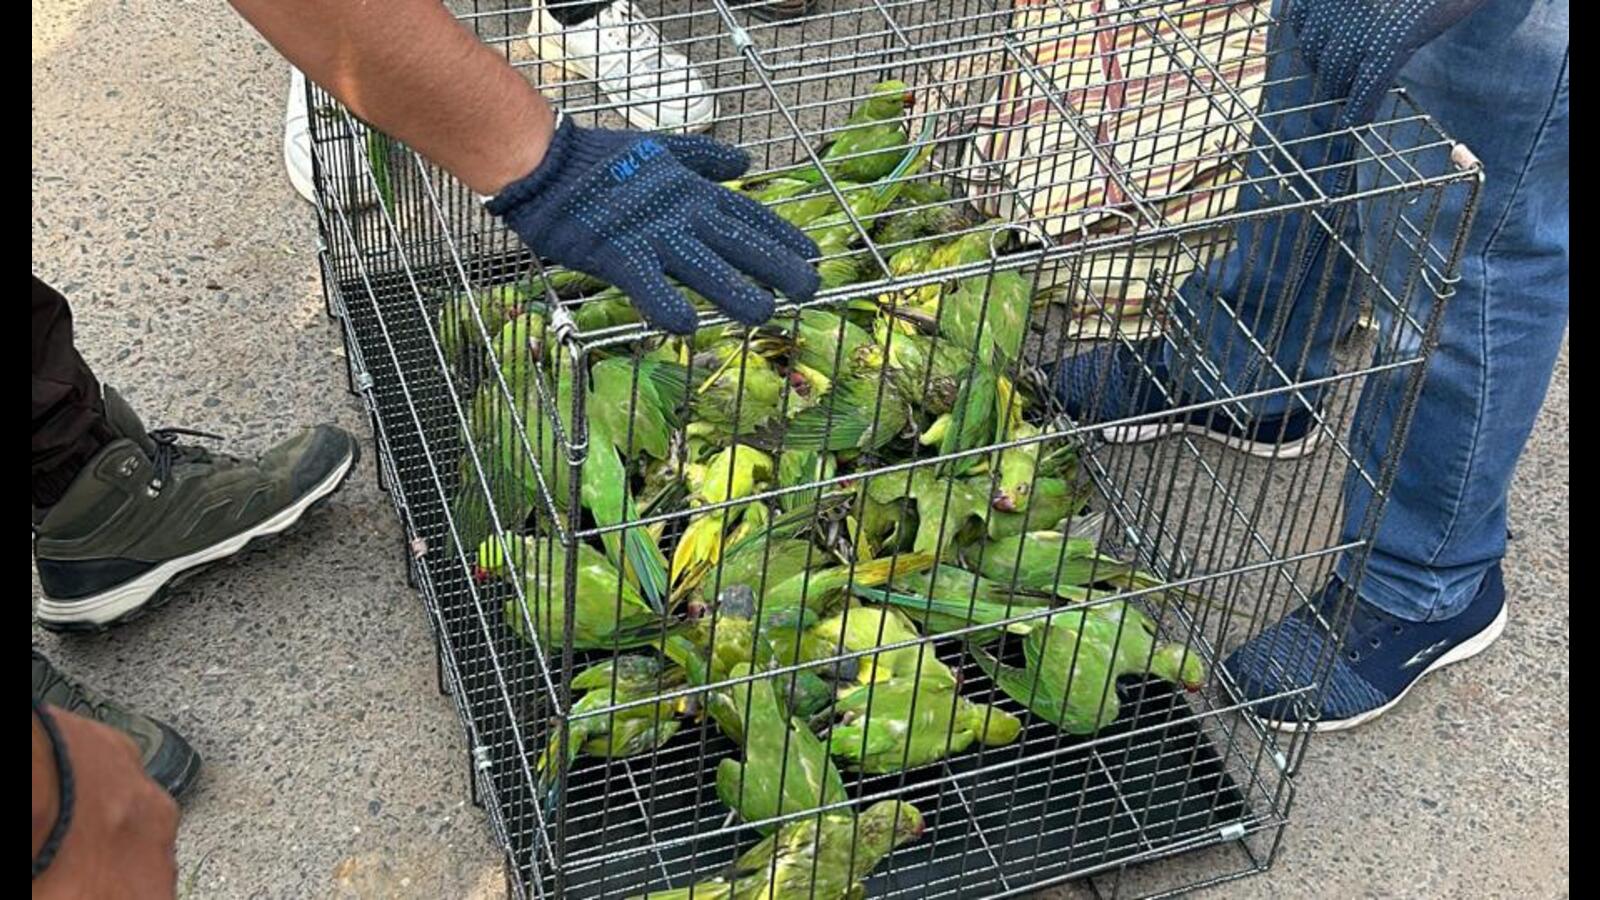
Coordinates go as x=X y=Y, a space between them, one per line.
x=411 y=70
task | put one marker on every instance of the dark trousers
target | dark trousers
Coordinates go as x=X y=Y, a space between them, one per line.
x=69 y=424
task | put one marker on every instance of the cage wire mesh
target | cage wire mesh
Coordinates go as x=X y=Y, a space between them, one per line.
x=768 y=604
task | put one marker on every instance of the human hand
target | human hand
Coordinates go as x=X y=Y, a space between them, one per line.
x=1358 y=47
x=122 y=839
x=632 y=209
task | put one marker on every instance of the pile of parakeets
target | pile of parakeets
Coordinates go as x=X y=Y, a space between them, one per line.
x=801 y=585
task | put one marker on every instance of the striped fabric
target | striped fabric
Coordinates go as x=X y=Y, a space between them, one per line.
x=1162 y=91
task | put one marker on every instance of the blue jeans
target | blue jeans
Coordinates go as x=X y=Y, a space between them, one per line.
x=1497 y=82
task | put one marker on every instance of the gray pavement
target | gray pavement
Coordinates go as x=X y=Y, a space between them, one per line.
x=304 y=670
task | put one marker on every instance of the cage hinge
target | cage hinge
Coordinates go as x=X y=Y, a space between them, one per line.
x=1231 y=832
x=562 y=325
x=480 y=758
x=741 y=38
x=363 y=381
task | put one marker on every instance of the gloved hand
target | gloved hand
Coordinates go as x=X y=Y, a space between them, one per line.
x=1357 y=47
x=632 y=208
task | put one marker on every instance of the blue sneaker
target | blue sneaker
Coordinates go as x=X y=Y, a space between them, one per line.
x=1381 y=658
x=1111 y=382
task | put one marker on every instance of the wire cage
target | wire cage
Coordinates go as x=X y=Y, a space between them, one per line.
x=853 y=601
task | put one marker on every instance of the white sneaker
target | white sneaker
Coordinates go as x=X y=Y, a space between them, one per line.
x=297 y=152
x=297 y=138
x=656 y=88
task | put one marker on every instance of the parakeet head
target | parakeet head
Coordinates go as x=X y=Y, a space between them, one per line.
x=902 y=821
x=492 y=558
x=520 y=338
x=869 y=357
x=1011 y=498
x=1179 y=665
x=808 y=382
x=490 y=561
x=889 y=100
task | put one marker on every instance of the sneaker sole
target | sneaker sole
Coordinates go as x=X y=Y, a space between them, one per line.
x=1142 y=434
x=148 y=591
x=553 y=53
x=1465 y=650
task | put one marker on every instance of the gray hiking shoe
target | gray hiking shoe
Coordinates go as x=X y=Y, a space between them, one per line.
x=167 y=757
x=147 y=510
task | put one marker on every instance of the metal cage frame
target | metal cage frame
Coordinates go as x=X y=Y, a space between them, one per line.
x=1190 y=778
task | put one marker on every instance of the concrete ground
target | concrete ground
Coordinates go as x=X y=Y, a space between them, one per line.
x=304 y=671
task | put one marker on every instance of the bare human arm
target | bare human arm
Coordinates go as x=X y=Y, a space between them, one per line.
x=409 y=68
x=637 y=211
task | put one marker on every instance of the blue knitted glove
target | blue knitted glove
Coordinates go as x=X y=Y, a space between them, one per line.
x=632 y=209
x=1357 y=47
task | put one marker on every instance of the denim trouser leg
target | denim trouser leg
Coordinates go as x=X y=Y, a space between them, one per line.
x=1498 y=83
x=1268 y=313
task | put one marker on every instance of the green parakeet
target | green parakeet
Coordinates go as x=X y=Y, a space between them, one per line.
x=818 y=339
x=609 y=614
x=460 y=329
x=639 y=401
x=906 y=723
x=710 y=648
x=1053 y=499
x=822 y=857
x=620 y=733
x=731 y=474
x=603 y=488
x=950 y=599
x=946 y=510
x=927 y=369
x=517 y=347
x=860 y=628
x=816 y=589
x=738 y=392
x=607 y=309
x=785 y=768
x=1013 y=489
x=1048 y=560
x=873 y=139
x=932 y=217
x=858 y=414
x=763 y=563
x=1074 y=658
x=970 y=421
x=988 y=315
x=802 y=467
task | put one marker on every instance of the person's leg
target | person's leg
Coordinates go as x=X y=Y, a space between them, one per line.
x=69 y=423
x=1267 y=314
x=1445 y=521
x=119 y=512
x=1264 y=314
x=652 y=85
x=1433 y=593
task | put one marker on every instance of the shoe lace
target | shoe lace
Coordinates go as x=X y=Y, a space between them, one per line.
x=169 y=452
x=1367 y=630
